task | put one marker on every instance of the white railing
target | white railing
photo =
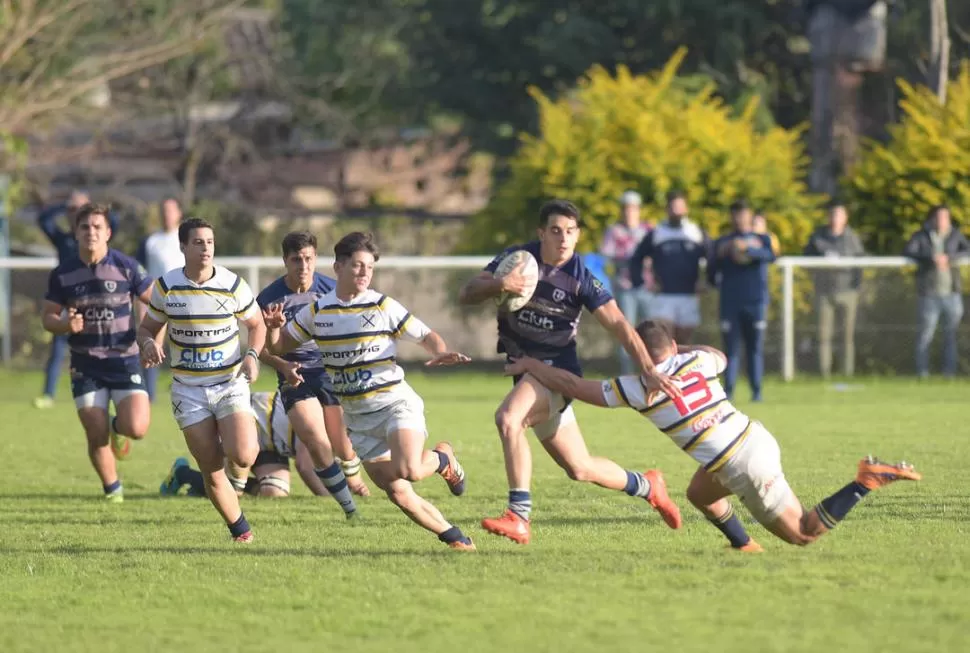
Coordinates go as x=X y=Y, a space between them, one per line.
x=252 y=265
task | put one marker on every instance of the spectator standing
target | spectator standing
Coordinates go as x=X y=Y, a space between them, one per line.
x=937 y=248
x=619 y=243
x=739 y=268
x=65 y=244
x=759 y=225
x=836 y=289
x=675 y=249
x=160 y=252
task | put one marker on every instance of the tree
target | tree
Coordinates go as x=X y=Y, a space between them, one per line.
x=939 y=49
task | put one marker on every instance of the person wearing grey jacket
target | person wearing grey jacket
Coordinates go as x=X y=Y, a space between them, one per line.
x=836 y=288
x=937 y=249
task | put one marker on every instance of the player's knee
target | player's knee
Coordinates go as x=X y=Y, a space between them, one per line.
x=408 y=470
x=694 y=496
x=245 y=455
x=509 y=426
x=579 y=472
x=399 y=494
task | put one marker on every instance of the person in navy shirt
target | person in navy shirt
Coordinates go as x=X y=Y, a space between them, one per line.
x=545 y=328
x=66 y=246
x=739 y=268
x=307 y=392
x=675 y=248
x=92 y=299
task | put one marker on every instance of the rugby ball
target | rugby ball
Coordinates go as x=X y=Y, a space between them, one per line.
x=508 y=301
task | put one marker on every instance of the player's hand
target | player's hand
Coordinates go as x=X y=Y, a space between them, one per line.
x=942 y=261
x=448 y=358
x=273 y=316
x=249 y=369
x=515 y=282
x=291 y=373
x=516 y=366
x=152 y=353
x=74 y=321
x=358 y=486
x=655 y=381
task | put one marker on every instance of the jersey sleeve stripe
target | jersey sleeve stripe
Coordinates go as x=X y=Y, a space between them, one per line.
x=399 y=329
x=156 y=309
x=235 y=285
x=162 y=285
x=618 y=389
x=299 y=326
x=243 y=311
x=721 y=459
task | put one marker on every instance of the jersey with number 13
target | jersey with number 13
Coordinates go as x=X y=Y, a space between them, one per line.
x=703 y=422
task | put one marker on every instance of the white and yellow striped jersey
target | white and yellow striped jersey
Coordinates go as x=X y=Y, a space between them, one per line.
x=203 y=328
x=703 y=423
x=272 y=424
x=358 y=342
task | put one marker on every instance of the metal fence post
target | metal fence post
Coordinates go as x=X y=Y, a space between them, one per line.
x=788 y=321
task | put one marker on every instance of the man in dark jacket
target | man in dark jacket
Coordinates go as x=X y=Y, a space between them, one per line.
x=739 y=268
x=937 y=248
x=836 y=288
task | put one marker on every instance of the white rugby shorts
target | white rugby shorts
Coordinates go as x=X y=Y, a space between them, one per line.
x=193 y=403
x=370 y=433
x=682 y=310
x=560 y=415
x=755 y=476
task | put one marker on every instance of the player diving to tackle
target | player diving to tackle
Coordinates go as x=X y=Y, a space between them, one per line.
x=306 y=391
x=357 y=329
x=203 y=304
x=92 y=298
x=545 y=328
x=737 y=455
x=278 y=444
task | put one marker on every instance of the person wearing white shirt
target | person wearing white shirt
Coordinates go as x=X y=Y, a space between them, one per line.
x=160 y=252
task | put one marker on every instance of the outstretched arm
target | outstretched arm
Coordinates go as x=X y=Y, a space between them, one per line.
x=561 y=381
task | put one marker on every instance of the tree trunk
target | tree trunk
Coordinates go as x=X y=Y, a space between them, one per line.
x=939 y=49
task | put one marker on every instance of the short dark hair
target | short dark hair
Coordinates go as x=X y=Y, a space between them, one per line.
x=187 y=226
x=658 y=336
x=85 y=211
x=354 y=242
x=294 y=241
x=936 y=209
x=559 y=207
x=739 y=205
x=675 y=194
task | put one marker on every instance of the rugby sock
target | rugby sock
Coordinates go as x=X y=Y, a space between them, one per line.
x=442 y=462
x=239 y=527
x=832 y=510
x=111 y=488
x=520 y=502
x=637 y=485
x=336 y=483
x=731 y=526
x=185 y=475
x=454 y=534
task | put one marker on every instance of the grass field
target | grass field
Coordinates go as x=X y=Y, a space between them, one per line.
x=602 y=574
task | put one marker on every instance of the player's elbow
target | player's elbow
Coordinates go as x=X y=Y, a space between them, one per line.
x=465 y=295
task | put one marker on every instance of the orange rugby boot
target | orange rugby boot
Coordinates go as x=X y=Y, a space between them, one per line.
x=660 y=501
x=873 y=473
x=750 y=547
x=509 y=525
x=461 y=546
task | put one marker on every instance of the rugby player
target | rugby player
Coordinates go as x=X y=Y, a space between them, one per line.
x=278 y=444
x=546 y=328
x=307 y=393
x=357 y=329
x=737 y=455
x=202 y=303
x=91 y=298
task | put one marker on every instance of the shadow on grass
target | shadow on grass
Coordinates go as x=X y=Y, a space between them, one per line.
x=252 y=550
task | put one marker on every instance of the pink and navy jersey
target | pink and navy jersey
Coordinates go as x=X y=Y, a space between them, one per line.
x=546 y=327
x=307 y=354
x=105 y=294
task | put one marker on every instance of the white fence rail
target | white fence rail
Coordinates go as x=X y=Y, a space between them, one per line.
x=251 y=267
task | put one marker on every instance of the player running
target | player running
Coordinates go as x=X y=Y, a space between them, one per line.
x=202 y=303
x=91 y=298
x=357 y=329
x=737 y=455
x=271 y=471
x=546 y=328
x=305 y=388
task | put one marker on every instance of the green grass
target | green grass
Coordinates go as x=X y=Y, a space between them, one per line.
x=602 y=573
